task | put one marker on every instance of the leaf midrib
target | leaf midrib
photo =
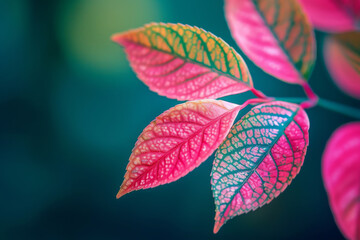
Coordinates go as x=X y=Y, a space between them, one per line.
x=186 y=140
x=262 y=157
x=285 y=51
x=248 y=85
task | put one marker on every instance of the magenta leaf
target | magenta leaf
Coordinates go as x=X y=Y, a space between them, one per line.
x=184 y=62
x=341 y=173
x=176 y=142
x=333 y=15
x=258 y=159
x=275 y=35
x=342 y=57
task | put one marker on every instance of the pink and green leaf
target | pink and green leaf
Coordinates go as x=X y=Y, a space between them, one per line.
x=342 y=57
x=333 y=15
x=261 y=155
x=275 y=34
x=183 y=62
x=341 y=174
x=176 y=142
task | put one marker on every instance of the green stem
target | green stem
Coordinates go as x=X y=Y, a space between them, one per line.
x=312 y=100
x=333 y=106
x=339 y=108
x=292 y=100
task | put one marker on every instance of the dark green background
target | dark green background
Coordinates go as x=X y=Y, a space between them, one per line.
x=70 y=112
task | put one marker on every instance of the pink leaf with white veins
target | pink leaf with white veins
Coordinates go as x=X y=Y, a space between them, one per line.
x=341 y=174
x=259 y=158
x=176 y=142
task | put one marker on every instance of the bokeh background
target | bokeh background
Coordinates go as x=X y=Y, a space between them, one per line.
x=70 y=112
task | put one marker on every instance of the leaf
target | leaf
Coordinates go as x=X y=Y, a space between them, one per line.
x=342 y=57
x=341 y=174
x=183 y=62
x=176 y=142
x=258 y=159
x=333 y=15
x=275 y=35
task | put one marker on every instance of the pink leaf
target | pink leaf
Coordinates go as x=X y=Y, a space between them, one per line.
x=342 y=57
x=258 y=159
x=184 y=62
x=333 y=15
x=176 y=142
x=341 y=173
x=275 y=35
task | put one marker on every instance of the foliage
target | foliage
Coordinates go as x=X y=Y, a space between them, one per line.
x=259 y=156
x=341 y=168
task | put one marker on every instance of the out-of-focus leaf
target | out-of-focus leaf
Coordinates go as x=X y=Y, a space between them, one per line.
x=176 y=142
x=342 y=57
x=341 y=173
x=184 y=62
x=275 y=34
x=333 y=15
x=258 y=159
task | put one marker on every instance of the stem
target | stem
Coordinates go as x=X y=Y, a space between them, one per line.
x=256 y=101
x=312 y=101
x=253 y=101
x=313 y=98
x=259 y=94
x=292 y=100
x=333 y=106
x=339 y=108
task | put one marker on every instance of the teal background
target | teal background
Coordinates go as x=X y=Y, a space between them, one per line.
x=71 y=110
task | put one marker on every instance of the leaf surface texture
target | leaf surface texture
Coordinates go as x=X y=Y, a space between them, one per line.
x=176 y=142
x=183 y=62
x=341 y=174
x=275 y=34
x=261 y=155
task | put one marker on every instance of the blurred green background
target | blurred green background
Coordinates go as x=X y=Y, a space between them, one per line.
x=71 y=110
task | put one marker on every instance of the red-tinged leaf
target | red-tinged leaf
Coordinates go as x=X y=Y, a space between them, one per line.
x=275 y=35
x=341 y=173
x=176 y=142
x=184 y=62
x=342 y=57
x=258 y=159
x=333 y=15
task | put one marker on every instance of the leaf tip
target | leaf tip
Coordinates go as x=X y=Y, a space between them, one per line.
x=121 y=193
x=117 y=38
x=217 y=227
x=218 y=223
